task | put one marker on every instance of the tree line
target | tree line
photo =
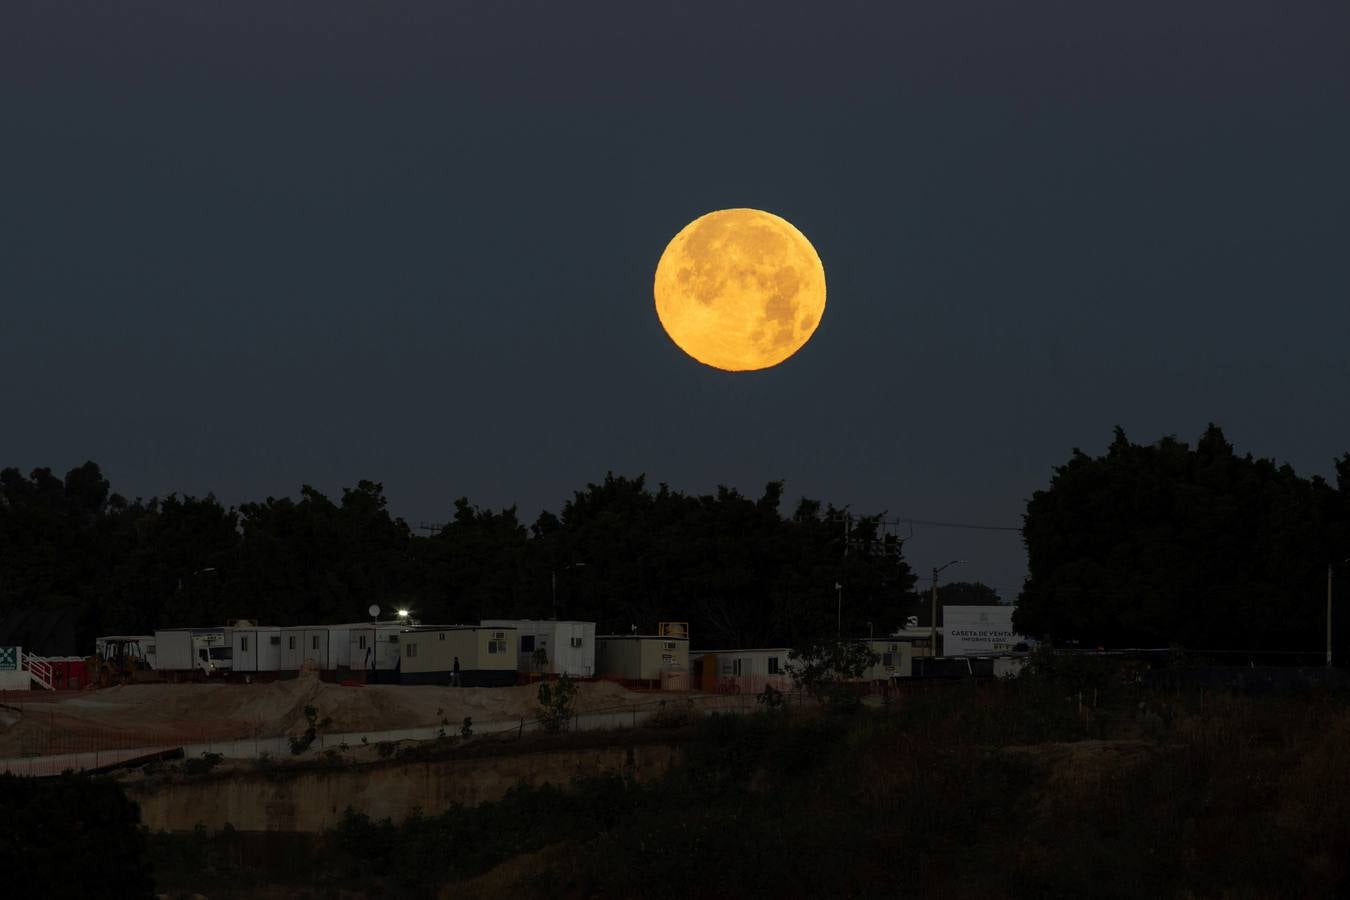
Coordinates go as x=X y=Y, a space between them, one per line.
x=1150 y=545
x=619 y=553
x=1161 y=544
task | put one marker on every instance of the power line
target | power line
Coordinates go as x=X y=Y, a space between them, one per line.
x=967 y=525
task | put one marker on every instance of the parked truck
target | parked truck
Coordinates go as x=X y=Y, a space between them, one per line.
x=193 y=652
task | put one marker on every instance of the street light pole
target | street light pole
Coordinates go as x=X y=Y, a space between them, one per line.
x=1331 y=576
x=839 y=611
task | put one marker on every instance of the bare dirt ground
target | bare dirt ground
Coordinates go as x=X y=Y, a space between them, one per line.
x=158 y=714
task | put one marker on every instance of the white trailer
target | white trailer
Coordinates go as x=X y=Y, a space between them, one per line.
x=255 y=648
x=340 y=646
x=568 y=646
x=374 y=647
x=301 y=644
x=746 y=671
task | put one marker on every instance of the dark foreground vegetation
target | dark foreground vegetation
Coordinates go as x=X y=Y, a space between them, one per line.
x=1022 y=789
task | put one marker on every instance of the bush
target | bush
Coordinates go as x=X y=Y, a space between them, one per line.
x=770 y=697
x=674 y=713
x=555 y=703
x=301 y=743
x=201 y=766
x=828 y=671
x=71 y=836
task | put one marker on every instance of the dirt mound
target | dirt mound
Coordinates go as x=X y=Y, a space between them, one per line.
x=156 y=714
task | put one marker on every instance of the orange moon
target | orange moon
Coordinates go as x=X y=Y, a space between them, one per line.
x=740 y=289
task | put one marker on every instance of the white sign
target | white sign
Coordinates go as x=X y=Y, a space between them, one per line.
x=978 y=630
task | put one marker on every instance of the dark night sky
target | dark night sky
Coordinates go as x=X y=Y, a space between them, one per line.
x=245 y=245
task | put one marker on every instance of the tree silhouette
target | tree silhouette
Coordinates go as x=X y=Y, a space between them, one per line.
x=1163 y=544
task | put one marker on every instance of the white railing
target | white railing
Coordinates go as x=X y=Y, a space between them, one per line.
x=38 y=669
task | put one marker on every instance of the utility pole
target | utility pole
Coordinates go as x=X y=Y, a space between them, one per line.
x=839 y=611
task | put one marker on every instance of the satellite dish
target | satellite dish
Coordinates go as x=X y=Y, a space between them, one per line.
x=374 y=611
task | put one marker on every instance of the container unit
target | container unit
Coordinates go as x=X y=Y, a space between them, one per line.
x=486 y=655
x=69 y=673
x=304 y=644
x=374 y=648
x=340 y=646
x=895 y=659
x=640 y=657
x=745 y=671
x=255 y=648
x=183 y=651
x=569 y=647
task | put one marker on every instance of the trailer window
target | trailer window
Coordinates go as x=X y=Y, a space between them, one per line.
x=361 y=642
x=576 y=642
x=888 y=660
x=442 y=635
x=243 y=645
x=668 y=645
x=773 y=666
x=290 y=642
x=410 y=650
x=527 y=643
x=735 y=667
x=275 y=640
x=496 y=646
x=314 y=642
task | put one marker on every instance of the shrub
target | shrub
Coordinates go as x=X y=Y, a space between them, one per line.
x=770 y=697
x=555 y=703
x=201 y=766
x=300 y=743
x=825 y=670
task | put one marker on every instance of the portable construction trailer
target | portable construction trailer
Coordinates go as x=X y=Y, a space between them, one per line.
x=895 y=659
x=256 y=649
x=640 y=657
x=305 y=644
x=340 y=646
x=744 y=671
x=486 y=655
x=374 y=648
x=568 y=647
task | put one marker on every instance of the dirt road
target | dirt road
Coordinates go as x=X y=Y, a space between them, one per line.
x=162 y=714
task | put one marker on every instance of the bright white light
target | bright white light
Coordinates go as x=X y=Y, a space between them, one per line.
x=403 y=614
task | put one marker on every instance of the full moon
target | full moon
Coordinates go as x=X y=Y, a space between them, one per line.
x=740 y=289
